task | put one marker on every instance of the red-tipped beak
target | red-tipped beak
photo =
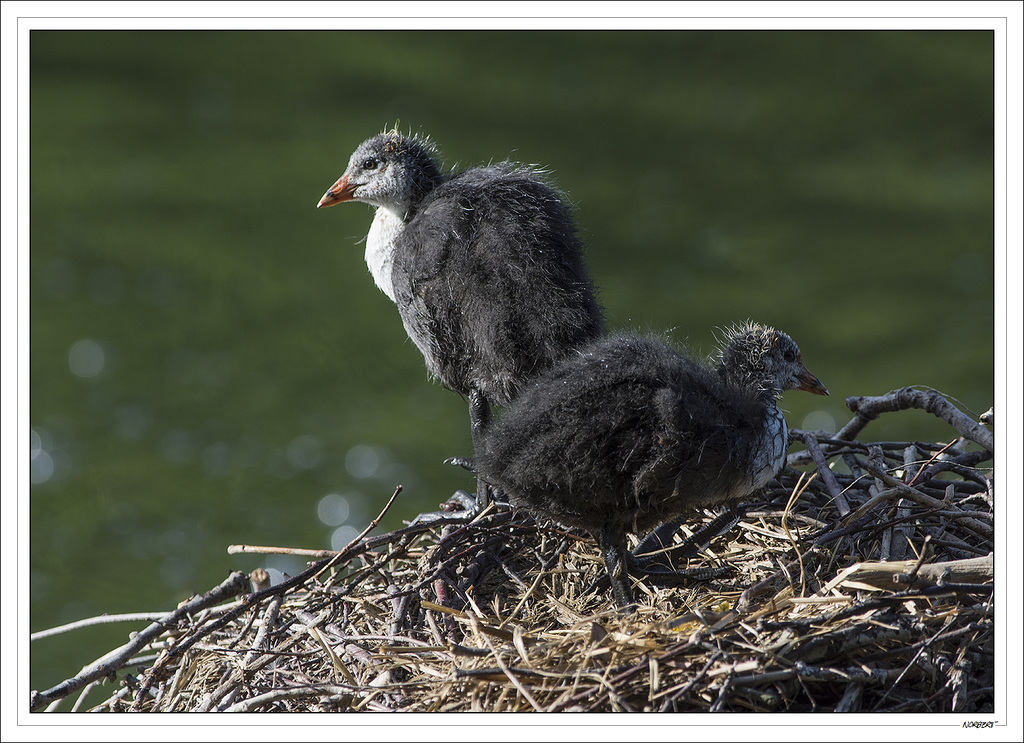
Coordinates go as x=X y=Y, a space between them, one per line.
x=810 y=383
x=341 y=191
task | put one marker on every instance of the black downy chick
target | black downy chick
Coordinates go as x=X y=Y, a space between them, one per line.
x=628 y=434
x=485 y=267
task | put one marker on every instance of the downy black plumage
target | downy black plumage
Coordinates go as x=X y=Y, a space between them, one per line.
x=628 y=433
x=485 y=267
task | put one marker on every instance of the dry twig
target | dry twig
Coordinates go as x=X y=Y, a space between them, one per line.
x=805 y=611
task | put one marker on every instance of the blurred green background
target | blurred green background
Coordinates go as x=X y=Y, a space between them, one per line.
x=212 y=364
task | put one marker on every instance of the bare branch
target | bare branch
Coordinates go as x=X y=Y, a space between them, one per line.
x=146 y=616
x=927 y=399
x=235 y=584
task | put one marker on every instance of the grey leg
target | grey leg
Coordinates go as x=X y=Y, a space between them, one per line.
x=613 y=549
x=479 y=422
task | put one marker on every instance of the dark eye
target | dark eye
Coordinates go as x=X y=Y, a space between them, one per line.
x=369 y=164
x=789 y=356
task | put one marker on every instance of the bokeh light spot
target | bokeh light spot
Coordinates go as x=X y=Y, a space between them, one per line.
x=86 y=359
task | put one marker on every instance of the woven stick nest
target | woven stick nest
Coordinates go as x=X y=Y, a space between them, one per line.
x=861 y=580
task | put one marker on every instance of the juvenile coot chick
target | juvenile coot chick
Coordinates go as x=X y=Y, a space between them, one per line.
x=628 y=434
x=485 y=267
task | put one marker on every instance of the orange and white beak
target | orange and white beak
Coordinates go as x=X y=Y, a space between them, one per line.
x=342 y=190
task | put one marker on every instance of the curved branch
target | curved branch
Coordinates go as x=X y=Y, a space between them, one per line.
x=927 y=399
x=148 y=616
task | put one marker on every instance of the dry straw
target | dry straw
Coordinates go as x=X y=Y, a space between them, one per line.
x=861 y=580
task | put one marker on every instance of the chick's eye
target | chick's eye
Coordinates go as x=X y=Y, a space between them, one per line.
x=789 y=356
x=369 y=164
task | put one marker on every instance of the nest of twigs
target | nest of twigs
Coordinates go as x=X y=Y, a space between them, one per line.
x=860 y=581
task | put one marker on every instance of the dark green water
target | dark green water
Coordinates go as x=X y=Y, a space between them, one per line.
x=212 y=364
